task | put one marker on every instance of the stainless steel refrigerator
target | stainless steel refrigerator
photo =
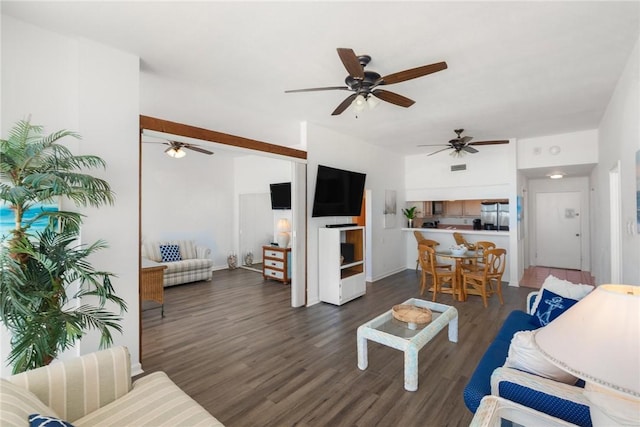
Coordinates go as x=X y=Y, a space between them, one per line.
x=494 y=216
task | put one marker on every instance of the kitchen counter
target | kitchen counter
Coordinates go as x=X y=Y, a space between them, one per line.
x=452 y=228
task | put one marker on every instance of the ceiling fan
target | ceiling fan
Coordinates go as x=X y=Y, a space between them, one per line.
x=364 y=84
x=176 y=148
x=462 y=144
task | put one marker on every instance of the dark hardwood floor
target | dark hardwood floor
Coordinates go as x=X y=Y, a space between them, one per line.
x=237 y=347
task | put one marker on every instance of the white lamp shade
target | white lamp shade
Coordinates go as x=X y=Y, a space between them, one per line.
x=283 y=225
x=598 y=339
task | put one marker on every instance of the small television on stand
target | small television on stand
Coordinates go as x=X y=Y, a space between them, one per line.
x=280 y=196
x=338 y=192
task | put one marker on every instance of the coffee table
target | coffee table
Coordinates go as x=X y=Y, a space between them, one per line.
x=387 y=330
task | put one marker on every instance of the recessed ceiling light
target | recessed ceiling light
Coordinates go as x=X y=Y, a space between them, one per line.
x=556 y=176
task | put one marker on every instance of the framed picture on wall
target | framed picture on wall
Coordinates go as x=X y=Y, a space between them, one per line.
x=390 y=207
x=8 y=219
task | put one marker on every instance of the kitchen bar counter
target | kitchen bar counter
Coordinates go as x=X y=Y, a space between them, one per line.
x=452 y=228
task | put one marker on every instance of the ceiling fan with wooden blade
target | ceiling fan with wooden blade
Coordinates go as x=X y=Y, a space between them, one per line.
x=462 y=144
x=176 y=148
x=364 y=84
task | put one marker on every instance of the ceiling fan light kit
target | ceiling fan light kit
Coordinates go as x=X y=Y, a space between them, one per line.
x=176 y=149
x=364 y=84
x=176 y=153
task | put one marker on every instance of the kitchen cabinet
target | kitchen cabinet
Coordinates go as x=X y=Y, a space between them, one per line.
x=427 y=211
x=453 y=208
x=471 y=208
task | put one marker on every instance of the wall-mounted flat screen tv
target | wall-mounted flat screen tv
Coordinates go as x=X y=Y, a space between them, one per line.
x=338 y=192
x=280 y=195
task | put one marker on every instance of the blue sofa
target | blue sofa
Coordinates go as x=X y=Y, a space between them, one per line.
x=490 y=377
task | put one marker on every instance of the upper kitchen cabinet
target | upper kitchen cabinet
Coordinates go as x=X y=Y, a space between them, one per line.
x=453 y=208
x=427 y=211
x=471 y=208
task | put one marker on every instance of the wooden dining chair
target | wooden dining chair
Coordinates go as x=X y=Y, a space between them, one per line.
x=440 y=277
x=424 y=241
x=487 y=281
x=460 y=240
x=478 y=263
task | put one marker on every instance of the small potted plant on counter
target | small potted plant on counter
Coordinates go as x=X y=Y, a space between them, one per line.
x=410 y=214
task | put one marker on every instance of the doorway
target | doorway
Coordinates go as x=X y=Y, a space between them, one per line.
x=558 y=230
x=187 y=133
x=255 y=229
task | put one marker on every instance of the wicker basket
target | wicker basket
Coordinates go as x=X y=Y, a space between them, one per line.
x=412 y=314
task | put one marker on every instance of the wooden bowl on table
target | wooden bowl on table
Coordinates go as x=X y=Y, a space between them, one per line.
x=412 y=315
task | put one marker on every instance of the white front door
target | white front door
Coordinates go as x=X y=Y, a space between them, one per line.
x=558 y=230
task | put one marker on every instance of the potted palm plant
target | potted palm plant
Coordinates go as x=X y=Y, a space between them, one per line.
x=410 y=214
x=50 y=295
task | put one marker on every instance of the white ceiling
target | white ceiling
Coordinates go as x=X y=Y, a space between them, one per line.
x=516 y=69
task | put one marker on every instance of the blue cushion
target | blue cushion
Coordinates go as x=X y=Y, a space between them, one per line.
x=550 y=307
x=555 y=406
x=479 y=384
x=170 y=253
x=37 y=420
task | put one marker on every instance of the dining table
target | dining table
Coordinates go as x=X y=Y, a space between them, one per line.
x=459 y=259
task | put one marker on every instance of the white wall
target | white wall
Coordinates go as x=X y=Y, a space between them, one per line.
x=576 y=148
x=188 y=198
x=619 y=139
x=93 y=89
x=385 y=171
x=488 y=175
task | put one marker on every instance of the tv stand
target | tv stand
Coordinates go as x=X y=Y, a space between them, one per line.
x=341 y=273
x=351 y=224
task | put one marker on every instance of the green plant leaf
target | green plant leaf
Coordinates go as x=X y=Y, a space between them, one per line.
x=43 y=272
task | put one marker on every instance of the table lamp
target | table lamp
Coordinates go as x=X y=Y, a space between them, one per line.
x=598 y=339
x=283 y=232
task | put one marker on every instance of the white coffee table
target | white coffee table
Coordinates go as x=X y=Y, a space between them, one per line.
x=386 y=330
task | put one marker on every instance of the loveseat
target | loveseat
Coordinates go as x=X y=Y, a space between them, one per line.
x=96 y=390
x=185 y=260
x=494 y=375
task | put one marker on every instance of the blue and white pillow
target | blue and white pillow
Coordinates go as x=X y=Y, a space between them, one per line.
x=37 y=420
x=551 y=306
x=170 y=253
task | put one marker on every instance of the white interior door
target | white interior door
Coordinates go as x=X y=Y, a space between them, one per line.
x=558 y=230
x=256 y=225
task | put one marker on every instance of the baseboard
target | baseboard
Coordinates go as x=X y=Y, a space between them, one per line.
x=387 y=274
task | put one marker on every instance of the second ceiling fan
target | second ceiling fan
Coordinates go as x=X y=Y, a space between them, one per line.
x=462 y=144
x=364 y=84
x=176 y=148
